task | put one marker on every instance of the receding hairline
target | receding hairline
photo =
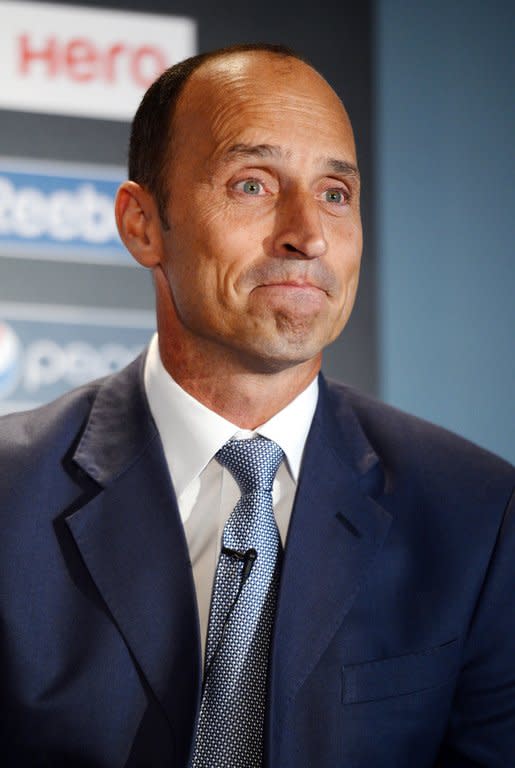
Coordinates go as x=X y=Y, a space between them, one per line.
x=213 y=69
x=218 y=64
x=223 y=56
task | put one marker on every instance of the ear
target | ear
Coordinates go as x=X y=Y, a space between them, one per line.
x=138 y=223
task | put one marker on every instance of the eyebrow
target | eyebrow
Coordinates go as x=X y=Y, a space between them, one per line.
x=254 y=150
x=342 y=167
x=267 y=151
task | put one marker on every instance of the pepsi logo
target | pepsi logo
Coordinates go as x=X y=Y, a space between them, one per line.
x=10 y=360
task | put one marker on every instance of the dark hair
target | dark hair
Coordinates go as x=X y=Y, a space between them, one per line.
x=151 y=132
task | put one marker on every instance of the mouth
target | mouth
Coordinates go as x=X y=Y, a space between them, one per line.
x=294 y=285
x=293 y=296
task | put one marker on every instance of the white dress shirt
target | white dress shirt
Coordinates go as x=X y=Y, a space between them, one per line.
x=206 y=492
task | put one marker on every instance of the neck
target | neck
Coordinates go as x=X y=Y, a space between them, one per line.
x=245 y=398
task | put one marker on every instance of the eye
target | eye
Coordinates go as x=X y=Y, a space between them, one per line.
x=250 y=187
x=337 y=196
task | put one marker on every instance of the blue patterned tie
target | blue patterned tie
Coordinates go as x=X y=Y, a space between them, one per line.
x=232 y=711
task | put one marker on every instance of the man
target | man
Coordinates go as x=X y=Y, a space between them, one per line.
x=385 y=634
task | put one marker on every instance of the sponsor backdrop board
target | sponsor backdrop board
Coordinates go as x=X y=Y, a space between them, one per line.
x=47 y=349
x=73 y=305
x=67 y=60
x=60 y=212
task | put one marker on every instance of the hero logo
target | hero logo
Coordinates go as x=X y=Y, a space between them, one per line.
x=44 y=363
x=90 y=62
x=82 y=61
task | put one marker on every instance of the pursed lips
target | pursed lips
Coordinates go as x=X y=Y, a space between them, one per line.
x=294 y=285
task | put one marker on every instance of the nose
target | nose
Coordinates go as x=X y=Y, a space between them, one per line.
x=299 y=232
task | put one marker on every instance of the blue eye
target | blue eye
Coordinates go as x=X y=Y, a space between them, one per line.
x=335 y=196
x=251 y=187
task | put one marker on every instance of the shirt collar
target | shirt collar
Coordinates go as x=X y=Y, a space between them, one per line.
x=191 y=434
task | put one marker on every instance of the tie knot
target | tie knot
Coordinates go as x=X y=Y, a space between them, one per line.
x=253 y=463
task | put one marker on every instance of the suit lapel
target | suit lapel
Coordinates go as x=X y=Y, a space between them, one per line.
x=132 y=542
x=335 y=531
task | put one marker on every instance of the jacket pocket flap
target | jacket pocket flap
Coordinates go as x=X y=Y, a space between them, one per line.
x=398 y=675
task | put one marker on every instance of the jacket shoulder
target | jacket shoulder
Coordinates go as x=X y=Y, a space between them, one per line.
x=47 y=424
x=407 y=444
x=34 y=443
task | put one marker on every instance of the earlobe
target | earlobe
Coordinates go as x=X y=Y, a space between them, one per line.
x=138 y=223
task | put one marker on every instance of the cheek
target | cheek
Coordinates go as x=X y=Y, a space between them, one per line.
x=207 y=248
x=346 y=261
x=225 y=251
x=347 y=253
x=203 y=271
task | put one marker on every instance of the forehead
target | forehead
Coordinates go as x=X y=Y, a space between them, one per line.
x=261 y=98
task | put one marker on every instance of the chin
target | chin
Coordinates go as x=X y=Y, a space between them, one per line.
x=280 y=355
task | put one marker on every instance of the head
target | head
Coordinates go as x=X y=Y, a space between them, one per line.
x=244 y=201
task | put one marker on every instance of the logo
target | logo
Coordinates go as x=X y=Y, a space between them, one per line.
x=60 y=211
x=82 y=61
x=89 y=62
x=46 y=350
x=10 y=358
x=47 y=363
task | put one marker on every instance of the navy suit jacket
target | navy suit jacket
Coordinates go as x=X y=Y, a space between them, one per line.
x=394 y=638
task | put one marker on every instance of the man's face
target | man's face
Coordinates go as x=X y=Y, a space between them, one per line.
x=264 y=242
